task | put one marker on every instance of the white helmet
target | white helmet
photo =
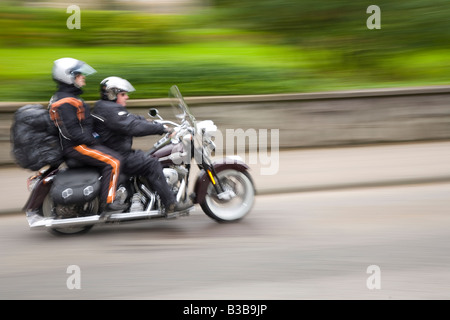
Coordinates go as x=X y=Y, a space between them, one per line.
x=111 y=86
x=65 y=69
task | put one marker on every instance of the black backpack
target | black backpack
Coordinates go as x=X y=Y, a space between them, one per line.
x=34 y=138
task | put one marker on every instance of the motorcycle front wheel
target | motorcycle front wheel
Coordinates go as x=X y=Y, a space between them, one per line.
x=49 y=209
x=240 y=186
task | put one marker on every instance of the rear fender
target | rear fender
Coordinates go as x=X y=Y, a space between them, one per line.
x=202 y=182
x=40 y=191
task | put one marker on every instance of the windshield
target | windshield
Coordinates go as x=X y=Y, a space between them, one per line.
x=180 y=106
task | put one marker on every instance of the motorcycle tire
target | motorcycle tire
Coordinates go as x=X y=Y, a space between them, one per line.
x=238 y=206
x=48 y=209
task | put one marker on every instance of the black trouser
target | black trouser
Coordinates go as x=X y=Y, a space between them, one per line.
x=138 y=163
x=107 y=160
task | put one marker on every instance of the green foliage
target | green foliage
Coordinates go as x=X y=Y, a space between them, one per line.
x=231 y=68
x=329 y=22
x=406 y=26
x=30 y=27
x=235 y=47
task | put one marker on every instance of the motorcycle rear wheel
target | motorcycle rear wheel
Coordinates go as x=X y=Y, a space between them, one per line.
x=236 y=208
x=48 y=208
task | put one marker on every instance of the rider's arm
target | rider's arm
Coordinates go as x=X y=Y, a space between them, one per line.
x=120 y=120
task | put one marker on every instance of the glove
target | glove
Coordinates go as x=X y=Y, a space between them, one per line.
x=170 y=131
x=167 y=129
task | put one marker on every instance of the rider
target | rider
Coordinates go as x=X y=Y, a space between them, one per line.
x=76 y=128
x=117 y=127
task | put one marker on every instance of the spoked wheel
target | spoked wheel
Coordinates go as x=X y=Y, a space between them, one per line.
x=238 y=198
x=50 y=209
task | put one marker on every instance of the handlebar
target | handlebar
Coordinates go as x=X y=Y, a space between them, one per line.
x=167 y=122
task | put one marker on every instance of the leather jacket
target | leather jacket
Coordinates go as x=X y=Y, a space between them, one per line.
x=117 y=127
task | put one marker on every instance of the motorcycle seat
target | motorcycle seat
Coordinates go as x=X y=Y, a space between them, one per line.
x=74 y=163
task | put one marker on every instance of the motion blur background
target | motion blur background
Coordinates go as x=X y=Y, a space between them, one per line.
x=338 y=83
x=225 y=47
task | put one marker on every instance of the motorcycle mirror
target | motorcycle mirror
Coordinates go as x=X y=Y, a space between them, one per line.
x=153 y=112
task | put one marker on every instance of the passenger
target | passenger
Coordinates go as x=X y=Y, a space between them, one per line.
x=76 y=129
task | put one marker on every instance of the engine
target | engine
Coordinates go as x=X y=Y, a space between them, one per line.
x=171 y=176
x=176 y=179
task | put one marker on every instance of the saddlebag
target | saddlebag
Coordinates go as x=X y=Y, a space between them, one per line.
x=75 y=185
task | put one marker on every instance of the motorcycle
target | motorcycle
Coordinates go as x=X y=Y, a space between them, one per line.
x=65 y=199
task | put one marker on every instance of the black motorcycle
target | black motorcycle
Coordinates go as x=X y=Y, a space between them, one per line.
x=65 y=199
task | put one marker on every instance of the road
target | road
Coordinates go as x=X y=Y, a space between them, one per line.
x=312 y=245
x=360 y=239
x=306 y=169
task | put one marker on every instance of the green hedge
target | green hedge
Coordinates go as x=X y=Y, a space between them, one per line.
x=32 y=27
x=237 y=47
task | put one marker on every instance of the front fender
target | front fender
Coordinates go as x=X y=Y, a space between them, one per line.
x=201 y=184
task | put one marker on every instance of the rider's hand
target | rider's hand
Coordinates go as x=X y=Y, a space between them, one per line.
x=171 y=132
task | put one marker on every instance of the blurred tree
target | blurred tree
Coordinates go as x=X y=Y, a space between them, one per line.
x=341 y=25
x=413 y=22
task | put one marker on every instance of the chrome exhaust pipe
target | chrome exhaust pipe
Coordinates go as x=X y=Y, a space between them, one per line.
x=133 y=215
x=36 y=221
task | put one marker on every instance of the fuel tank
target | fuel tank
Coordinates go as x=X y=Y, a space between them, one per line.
x=164 y=154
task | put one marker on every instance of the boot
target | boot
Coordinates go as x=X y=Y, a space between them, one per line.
x=109 y=208
x=116 y=206
x=177 y=207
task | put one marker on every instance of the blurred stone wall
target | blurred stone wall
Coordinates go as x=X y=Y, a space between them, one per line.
x=303 y=120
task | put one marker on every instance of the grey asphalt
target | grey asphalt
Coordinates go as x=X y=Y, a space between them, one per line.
x=306 y=170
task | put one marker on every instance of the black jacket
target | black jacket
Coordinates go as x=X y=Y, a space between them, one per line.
x=72 y=117
x=117 y=127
